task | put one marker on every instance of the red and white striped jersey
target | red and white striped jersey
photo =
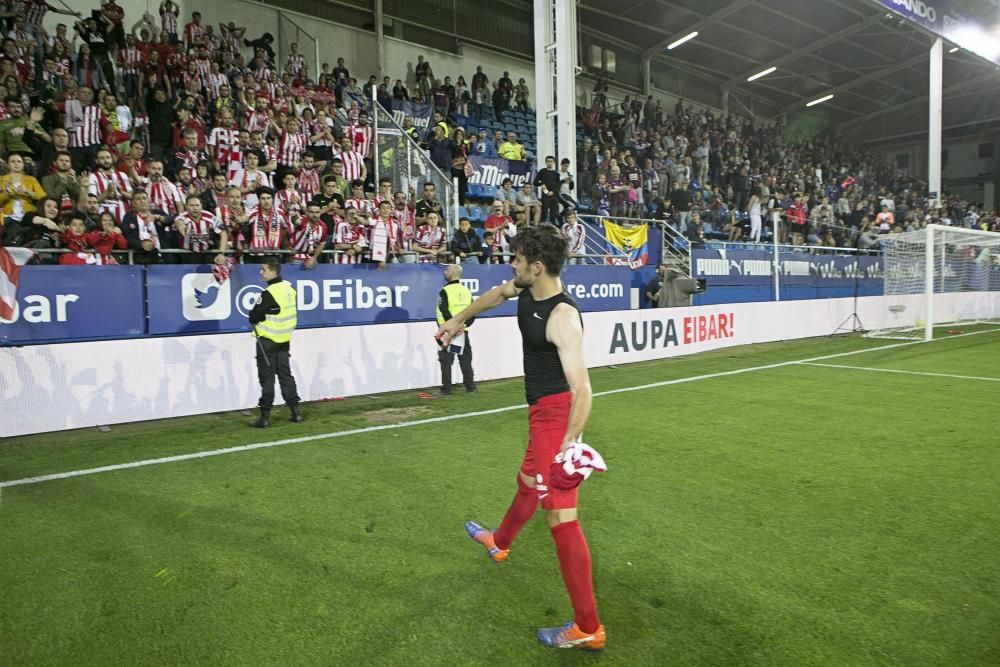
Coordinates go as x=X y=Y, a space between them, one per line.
x=244 y=179
x=290 y=148
x=88 y=132
x=101 y=181
x=306 y=237
x=364 y=205
x=294 y=63
x=362 y=137
x=34 y=11
x=223 y=141
x=168 y=20
x=165 y=196
x=130 y=60
x=347 y=233
x=204 y=68
x=199 y=231
x=257 y=121
x=231 y=40
x=430 y=238
x=234 y=231
x=318 y=128
x=308 y=184
x=289 y=202
x=576 y=235
x=194 y=33
x=406 y=223
x=353 y=162
x=213 y=82
x=267 y=229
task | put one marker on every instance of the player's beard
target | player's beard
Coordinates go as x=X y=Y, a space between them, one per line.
x=522 y=282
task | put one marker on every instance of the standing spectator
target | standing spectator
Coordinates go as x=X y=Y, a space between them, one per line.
x=566 y=186
x=163 y=194
x=756 y=219
x=384 y=235
x=548 y=180
x=680 y=201
x=521 y=94
x=199 y=231
x=349 y=238
x=269 y=227
x=194 y=32
x=112 y=187
x=142 y=228
x=352 y=162
x=83 y=122
x=169 y=15
x=512 y=149
x=430 y=240
x=654 y=285
x=309 y=237
x=576 y=237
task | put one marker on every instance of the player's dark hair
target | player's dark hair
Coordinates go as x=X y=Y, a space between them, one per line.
x=542 y=243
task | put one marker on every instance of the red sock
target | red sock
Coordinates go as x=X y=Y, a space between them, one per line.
x=574 y=561
x=521 y=509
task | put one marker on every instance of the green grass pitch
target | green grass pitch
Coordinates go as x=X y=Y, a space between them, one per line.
x=798 y=515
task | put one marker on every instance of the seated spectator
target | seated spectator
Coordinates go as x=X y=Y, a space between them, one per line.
x=489 y=244
x=466 y=245
x=19 y=193
x=36 y=229
x=92 y=247
x=530 y=208
x=695 y=231
x=733 y=228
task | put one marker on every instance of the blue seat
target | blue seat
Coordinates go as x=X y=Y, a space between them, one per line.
x=474 y=190
x=490 y=192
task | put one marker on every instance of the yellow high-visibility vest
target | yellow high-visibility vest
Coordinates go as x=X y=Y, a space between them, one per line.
x=279 y=327
x=459 y=298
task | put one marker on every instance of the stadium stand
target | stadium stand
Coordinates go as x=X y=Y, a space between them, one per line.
x=174 y=109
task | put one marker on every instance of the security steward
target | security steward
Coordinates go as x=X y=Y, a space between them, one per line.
x=453 y=299
x=274 y=319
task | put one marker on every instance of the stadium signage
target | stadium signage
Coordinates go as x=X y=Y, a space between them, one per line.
x=671 y=332
x=71 y=302
x=755 y=267
x=492 y=171
x=64 y=303
x=970 y=25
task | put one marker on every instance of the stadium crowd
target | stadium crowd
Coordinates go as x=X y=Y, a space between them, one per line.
x=729 y=177
x=169 y=134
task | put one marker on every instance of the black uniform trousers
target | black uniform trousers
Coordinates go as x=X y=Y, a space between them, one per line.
x=447 y=359
x=273 y=359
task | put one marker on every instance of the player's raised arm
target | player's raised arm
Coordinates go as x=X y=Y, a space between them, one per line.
x=565 y=331
x=490 y=299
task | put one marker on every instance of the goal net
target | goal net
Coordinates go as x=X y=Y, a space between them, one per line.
x=939 y=276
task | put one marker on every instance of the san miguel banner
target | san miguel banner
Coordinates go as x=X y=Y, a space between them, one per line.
x=756 y=267
x=420 y=113
x=629 y=244
x=493 y=170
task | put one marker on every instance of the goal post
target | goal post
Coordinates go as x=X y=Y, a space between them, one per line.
x=936 y=276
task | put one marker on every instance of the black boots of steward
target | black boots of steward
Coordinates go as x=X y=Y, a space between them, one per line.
x=264 y=420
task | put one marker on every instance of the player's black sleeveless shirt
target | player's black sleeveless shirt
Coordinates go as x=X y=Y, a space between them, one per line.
x=543 y=372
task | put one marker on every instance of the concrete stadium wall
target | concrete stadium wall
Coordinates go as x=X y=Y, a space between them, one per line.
x=75 y=385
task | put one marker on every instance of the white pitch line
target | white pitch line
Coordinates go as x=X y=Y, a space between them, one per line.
x=433 y=420
x=894 y=370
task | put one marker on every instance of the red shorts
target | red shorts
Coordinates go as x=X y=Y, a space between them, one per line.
x=548 y=419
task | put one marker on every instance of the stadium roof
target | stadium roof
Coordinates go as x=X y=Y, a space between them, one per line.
x=874 y=63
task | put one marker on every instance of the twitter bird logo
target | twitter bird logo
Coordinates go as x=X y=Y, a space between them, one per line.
x=203 y=299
